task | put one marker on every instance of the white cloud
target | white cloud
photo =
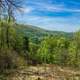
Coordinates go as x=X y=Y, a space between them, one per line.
x=70 y=23
x=26 y=9
x=53 y=23
x=59 y=8
x=53 y=7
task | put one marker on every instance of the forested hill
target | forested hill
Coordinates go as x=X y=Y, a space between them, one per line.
x=36 y=33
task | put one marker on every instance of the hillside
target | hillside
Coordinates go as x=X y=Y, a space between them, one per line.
x=36 y=33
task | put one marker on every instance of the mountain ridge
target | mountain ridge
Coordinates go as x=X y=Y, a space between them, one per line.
x=36 y=33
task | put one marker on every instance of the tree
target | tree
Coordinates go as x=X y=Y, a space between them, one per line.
x=10 y=57
x=54 y=50
x=8 y=7
x=42 y=53
x=62 y=51
x=47 y=51
x=74 y=50
x=10 y=42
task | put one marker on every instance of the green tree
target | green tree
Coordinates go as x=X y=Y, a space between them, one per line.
x=42 y=53
x=74 y=50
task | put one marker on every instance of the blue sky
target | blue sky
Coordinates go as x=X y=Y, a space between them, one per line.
x=59 y=15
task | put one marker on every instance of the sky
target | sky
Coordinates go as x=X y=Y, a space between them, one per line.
x=56 y=15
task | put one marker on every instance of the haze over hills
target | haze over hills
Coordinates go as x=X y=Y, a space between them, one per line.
x=35 y=32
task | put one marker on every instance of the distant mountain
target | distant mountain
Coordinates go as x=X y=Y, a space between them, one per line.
x=36 y=33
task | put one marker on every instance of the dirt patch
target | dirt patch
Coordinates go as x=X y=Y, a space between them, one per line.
x=43 y=72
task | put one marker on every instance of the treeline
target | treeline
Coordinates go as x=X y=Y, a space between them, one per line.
x=58 y=50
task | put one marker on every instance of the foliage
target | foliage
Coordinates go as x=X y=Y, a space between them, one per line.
x=36 y=34
x=12 y=47
x=59 y=50
x=16 y=48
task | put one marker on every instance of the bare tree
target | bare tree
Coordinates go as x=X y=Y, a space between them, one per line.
x=9 y=6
